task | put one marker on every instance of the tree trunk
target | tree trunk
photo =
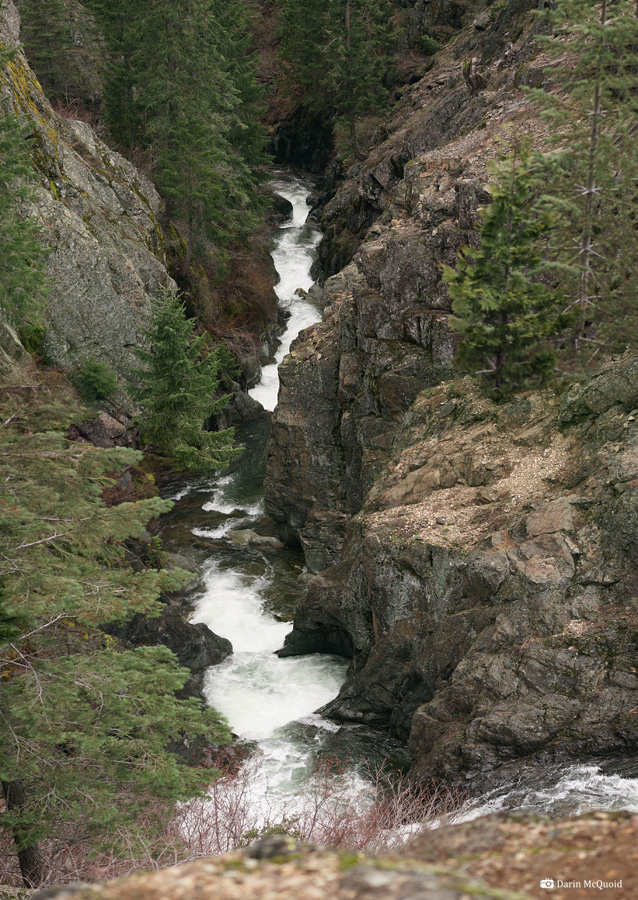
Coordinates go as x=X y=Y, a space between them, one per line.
x=189 y=247
x=29 y=856
x=586 y=246
x=349 y=90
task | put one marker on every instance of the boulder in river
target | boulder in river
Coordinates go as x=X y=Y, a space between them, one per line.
x=196 y=646
x=246 y=537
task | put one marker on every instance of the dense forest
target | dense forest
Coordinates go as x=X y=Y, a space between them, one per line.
x=197 y=96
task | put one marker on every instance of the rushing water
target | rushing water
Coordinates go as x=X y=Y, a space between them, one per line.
x=249 y=597
x=562 y=791
x=293 y=256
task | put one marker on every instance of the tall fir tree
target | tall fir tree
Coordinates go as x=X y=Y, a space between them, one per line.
x=176 y=391
x=230 y=34
x=48 y=42
x=118 y=25
x=182 y=85
x=593 y=170
x=84 y=724
x=504 y=313
x=340 y=52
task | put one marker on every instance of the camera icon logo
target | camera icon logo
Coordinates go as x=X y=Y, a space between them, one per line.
x=548 y=883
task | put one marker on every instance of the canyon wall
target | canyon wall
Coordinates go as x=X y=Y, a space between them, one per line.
x=99 y=219
x=475 y=561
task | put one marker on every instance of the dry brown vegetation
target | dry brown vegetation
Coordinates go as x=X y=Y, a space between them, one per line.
x=377 y=818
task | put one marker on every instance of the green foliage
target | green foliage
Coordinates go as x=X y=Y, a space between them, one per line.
x=177 y=384
x=22 y=258
x=504 y=314
x=182 y=85
x=95 y=381
x=428 y=45
x=340 y=52
x=9 y=625
x=593 y=169
x=83 y=724
x=288 y=827
x=48 y=41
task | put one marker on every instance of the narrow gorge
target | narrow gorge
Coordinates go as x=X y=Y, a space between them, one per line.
x=403 y=588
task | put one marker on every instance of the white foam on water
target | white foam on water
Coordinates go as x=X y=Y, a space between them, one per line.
x=215 y=534
x=293 y=255
x=179 y=495
x=258 y=692
x=226 y=507
x=570 y=791
x=268 y=700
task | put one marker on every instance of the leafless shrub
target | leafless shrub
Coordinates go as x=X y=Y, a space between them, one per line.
x=377 y=813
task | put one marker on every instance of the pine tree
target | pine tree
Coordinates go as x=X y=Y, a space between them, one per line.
x=83 y=724
x=230 y=34
x=594 y=167
x=182 y=85
x=178 y=382
x=22 y=260
x=504 y=314
x=118 y=24
x=340 y=53
x=47 y=38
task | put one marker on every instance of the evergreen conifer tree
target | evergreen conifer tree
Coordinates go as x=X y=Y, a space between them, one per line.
x=182 y=85
x=48 y=41
x=504 y=314
x=229 y=33
x=83 y=723
x=176 y=391
x=22 y=260
x=593 y=170
x=341 y=54
x=118 y=23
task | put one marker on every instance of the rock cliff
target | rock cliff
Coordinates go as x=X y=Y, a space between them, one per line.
x=416 y=200
x=475 y=561
x=99 y=218
x=486 y=591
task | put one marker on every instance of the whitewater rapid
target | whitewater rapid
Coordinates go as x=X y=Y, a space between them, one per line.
x=270 y=703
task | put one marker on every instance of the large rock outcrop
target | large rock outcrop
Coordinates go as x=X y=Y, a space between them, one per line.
x=477 y=562
x=99 y=218
x=497 y=857
x=398 y=216
x=486 y=591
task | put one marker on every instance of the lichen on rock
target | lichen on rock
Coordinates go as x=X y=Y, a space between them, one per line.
x=99 y=217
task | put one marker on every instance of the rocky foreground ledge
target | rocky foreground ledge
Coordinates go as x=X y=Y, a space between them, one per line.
x=500 y=857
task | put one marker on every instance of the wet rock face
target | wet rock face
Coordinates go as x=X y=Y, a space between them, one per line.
x=196 y=646
x=99 y=218
x=348 y=381
x=486 y=590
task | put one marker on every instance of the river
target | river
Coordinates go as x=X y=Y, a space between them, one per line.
x=249 y=597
